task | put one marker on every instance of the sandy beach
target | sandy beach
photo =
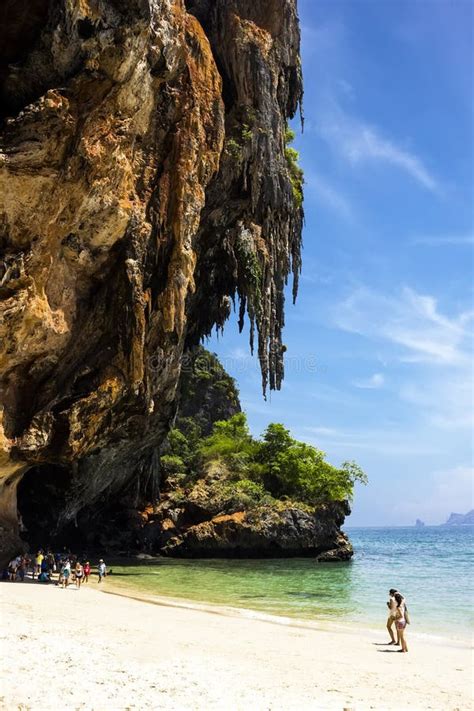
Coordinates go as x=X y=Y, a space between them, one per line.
x=90 y=649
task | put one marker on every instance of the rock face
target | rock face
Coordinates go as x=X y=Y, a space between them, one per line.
x=206 y=392
x=144 y=185
x=262 y=533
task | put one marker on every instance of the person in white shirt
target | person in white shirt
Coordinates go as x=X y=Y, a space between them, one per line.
x=102 y=570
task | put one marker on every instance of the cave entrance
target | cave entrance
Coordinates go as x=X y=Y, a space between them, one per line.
x=41 y=497
x=21 y=24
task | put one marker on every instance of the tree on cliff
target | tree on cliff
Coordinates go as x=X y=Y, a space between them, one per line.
x=277 y=465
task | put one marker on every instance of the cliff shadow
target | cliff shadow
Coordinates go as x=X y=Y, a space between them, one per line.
x=41 y=496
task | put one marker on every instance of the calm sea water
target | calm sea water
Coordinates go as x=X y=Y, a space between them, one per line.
x=432 y=566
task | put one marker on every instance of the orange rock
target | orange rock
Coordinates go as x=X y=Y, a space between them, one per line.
x=238 y=517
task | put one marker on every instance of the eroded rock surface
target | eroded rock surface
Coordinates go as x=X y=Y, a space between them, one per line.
x=143 y=186
x=265 y=532
x=201 y=511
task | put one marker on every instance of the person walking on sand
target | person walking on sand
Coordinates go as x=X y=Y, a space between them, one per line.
x=87 y=571
x=38 y=563
x=22 y=568
x=102 y=570
x=392 y=612
x=13 y=568
x=79 y=574
x=65 y=573
x=401 y=620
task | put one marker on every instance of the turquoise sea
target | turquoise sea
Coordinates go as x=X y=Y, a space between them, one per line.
x=432 y=566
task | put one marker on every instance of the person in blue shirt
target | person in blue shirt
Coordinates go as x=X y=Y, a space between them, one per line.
x=102 y=570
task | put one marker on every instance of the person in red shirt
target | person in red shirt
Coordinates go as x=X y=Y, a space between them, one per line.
x=87 y=571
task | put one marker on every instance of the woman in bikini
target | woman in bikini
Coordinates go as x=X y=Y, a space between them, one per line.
x=79 y=574
x=401 y=622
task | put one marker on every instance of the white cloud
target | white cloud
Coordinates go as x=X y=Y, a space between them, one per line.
x=359 y=142
x=323 y=431
x=411 y=321
x=415 y=332
x=377 y=380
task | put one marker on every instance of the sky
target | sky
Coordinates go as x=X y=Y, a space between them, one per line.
x=379 y=343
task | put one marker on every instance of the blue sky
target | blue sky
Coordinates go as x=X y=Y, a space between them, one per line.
x=379 y=343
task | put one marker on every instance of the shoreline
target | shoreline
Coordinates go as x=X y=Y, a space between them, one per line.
x=323 y=625
x=100 y=649
x=119 y=584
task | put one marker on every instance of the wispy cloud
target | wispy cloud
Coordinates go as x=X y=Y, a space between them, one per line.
x=377 y=380
x=346 y=89
x=383 y=441
x=323 y=431
x=328 y=195
x=360 y=142
x=415 y=331
x=447 y=402
x=348 y=131
x=444 y=240
x=411 y=321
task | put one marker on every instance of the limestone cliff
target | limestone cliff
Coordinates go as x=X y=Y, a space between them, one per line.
x=207 y=507
x=144 y=186
x=206 y=393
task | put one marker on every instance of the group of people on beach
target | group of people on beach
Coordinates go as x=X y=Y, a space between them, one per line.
x=45 y=565
x=398 y=616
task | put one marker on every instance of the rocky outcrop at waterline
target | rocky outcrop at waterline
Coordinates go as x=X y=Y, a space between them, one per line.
x=197 y=531
x=144 y=186
x=208 y=507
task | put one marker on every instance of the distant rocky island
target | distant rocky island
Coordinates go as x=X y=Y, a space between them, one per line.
x=419 y=523
x=457 y=519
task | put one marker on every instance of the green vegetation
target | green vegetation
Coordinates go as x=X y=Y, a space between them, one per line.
x=233 y=149
x=212 y=461
x=247 y=132
x=295 y=171
x=250 y=267
x=238 y=470
x=242 y=133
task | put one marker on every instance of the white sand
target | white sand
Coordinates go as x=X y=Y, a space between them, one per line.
x=89 y=650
